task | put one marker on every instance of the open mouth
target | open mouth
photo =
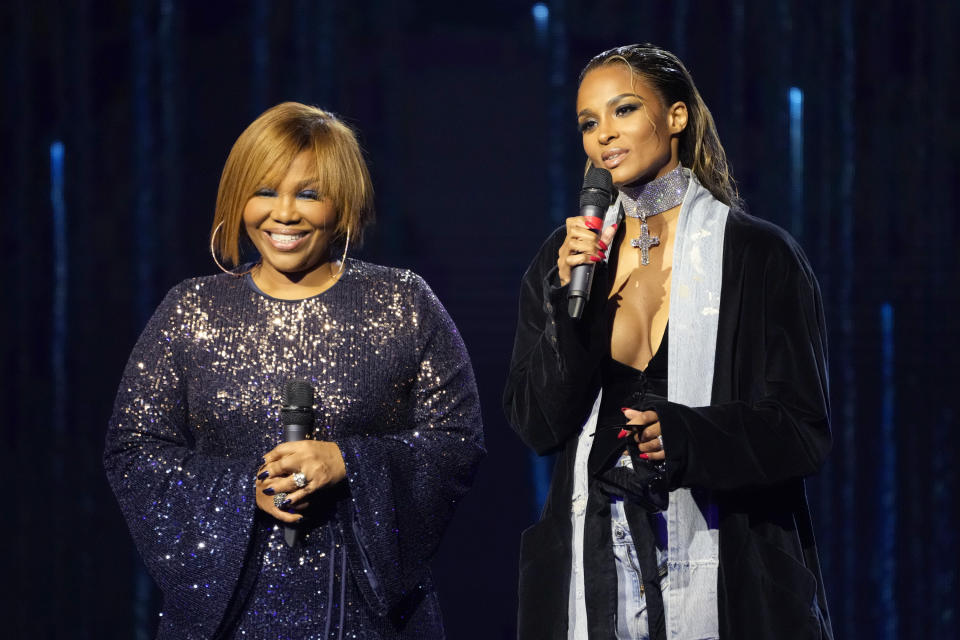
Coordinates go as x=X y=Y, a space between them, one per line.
x=286 y=241
x=613 y=158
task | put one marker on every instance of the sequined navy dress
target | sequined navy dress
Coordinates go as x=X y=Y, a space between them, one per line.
x=199 y=405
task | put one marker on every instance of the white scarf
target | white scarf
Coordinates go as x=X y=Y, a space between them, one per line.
x=690 y=602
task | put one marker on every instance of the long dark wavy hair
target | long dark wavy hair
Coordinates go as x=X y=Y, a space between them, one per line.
x=700 y=148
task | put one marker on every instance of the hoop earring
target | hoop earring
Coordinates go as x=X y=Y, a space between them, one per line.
x=213 y=254
x=343 y=259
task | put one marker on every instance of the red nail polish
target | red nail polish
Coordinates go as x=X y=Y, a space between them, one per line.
x=592 y=223
x=603 y=245
x=643 y=456
x=596 y=258
x=624 y=408
x=623 y=433
x=614 y=225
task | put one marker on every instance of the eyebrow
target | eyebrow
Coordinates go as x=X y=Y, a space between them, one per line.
x=612 y=101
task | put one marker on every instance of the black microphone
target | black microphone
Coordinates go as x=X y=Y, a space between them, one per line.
x=297 y=417
x=595 y=197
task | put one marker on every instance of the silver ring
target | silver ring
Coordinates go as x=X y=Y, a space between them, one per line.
x=279 y=499
x=660 y=438
x=300 y=480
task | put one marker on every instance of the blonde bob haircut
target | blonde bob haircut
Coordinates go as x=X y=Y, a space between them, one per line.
x=261 y=156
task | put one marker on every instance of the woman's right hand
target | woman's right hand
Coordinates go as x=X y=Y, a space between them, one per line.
x=582 y=246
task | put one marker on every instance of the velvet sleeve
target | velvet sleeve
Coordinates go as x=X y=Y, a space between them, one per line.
x=553 y=379
x=779 y=427
x=405 y=484
x=190 y=514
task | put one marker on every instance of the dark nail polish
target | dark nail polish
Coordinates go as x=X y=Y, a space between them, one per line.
x=269 y=491
x=284 y=504
x=263 y=476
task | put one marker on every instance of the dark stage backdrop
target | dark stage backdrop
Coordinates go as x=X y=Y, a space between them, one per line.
x=840 y=121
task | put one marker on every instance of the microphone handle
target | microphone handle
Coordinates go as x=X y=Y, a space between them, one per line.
x=292 y=432
x=581 y=276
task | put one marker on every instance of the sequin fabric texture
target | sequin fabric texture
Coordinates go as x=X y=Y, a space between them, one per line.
x=198 y=406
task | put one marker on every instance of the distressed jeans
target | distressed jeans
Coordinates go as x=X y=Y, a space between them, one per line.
x=631 y=603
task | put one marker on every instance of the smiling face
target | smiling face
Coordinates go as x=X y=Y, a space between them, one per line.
x=626 y=128
x=291 y=224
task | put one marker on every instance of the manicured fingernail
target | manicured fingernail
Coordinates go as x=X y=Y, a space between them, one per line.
x=624 y=408
x=263 y=475
x=643 y=456
x=595 y=258
x=623 y=433
x=263 y=461
x=614 y=225
x=592 y=223
x=269 y=491
x=284 y=503
x=603 y=245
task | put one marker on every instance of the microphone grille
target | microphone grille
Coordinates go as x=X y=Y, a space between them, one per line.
x=598 y=178
x=298 y=393
x=597 y=188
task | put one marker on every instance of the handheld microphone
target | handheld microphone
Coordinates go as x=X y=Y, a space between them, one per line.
x=296 y=415
x=595 y=197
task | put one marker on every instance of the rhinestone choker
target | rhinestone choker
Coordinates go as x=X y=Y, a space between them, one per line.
x=650 y=199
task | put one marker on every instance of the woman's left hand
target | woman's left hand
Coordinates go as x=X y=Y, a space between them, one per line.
x=319 y=461
x=646 y=431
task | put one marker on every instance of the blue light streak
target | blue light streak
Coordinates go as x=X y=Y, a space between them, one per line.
x=58 y=351
x=541 y=15
x=888 y=470
x=796 y=161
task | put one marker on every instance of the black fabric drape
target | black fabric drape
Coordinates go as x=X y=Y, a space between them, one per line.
x=766 y=429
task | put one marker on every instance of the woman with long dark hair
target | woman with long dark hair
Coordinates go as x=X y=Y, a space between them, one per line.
x=688 y=402
x=329 y=536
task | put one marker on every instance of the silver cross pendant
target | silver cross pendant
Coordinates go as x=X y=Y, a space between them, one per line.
x=644 y=242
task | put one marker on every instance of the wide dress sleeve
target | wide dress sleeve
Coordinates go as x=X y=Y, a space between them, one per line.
x=553 y=378
x=404 y=485
x=776 y=427
x=190 y=514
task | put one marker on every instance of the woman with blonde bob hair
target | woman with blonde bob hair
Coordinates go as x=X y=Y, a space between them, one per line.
x=250 y=531
x=689 y=400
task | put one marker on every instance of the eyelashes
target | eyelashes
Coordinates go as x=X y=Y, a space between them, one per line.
x=305 y=194
x=586 y=125
x=621 y=111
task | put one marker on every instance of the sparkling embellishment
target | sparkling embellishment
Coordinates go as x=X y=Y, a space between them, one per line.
x=299 y=479
x=199 y=405
x=650 y=199
x=279 y=499
x=644 y=243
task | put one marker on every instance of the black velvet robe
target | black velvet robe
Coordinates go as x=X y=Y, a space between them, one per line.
x=765 y=430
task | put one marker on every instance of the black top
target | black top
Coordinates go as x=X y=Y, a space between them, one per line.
x=766 y=427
